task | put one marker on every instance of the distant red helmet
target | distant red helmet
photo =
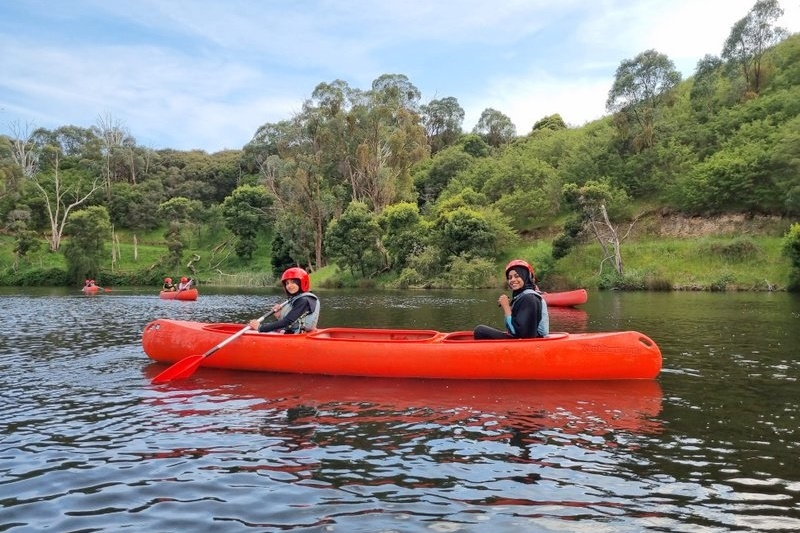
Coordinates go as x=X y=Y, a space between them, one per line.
x=520 y=263
x=167 y=280
x=184 y=279
x=298 y=273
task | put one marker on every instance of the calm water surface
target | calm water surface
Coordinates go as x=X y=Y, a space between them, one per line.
x=87 y=444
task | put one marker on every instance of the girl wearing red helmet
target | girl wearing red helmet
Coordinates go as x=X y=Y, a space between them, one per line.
x=185 y=284
x=301 y=312
x=168 y=285
x=525 y=314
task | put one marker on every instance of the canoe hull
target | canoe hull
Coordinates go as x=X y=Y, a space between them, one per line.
x=187 y=295
x=566 y=299
x=408 y=353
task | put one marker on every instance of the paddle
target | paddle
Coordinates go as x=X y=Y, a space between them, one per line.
x=187 y=366
x=188 y=286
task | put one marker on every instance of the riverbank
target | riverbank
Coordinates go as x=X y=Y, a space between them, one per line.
x=662 y=252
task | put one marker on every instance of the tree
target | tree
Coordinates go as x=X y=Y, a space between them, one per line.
x=353 y=240
x=25 y=152
x=62 y=191
x=550 y=122
x=495 y=128
x=88 y=231
x=247 y=213
x=750 y=38
x=599 y=204
x=704 y=86
x=25 y=239
x=465 y=232
x=791 y=249
x=429 y=183
x=403 y=233
x=178 y=212
x=641 y=86
x=443 y=119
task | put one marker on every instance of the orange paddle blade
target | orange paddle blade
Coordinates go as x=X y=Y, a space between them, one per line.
x=180 y=370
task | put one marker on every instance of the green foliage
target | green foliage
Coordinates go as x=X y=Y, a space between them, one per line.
x=135 y=206
x=353 y=238
x=89 y=229
x=791 y=245
x=175 y=245
x=464 y=231
x=470 y=273
x=35 y=277
x=432 y=181
x=736 y=250
x=403 y=232
x=495 y=128
x=246 y=214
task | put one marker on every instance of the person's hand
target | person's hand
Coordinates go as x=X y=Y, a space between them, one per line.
x=276 y=310
x=502 y=301
x=254 y=324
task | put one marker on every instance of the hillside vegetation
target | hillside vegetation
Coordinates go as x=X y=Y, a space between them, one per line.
x=685 y=185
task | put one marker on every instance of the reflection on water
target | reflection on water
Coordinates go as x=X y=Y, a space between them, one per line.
x=88 y=444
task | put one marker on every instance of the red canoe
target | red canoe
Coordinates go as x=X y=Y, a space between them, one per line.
x=565 y=299
x=401 y=353
x=187 y=295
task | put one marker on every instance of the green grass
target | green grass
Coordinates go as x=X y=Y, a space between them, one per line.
x=708 y=263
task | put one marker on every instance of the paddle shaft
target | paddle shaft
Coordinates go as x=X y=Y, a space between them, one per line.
x=186 y=366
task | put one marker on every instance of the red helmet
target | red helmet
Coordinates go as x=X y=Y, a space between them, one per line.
x=167 y=280
x=520 y=263
x=298 y=273
x=184 y=279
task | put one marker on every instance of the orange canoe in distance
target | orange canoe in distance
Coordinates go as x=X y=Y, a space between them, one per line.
x=401 y=353
x=565 y=299
x=186 y=295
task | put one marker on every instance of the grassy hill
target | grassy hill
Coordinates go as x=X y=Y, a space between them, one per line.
x=663 y=252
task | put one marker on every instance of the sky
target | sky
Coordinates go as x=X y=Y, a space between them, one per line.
x=206 y=74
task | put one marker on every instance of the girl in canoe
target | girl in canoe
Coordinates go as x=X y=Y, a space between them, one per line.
x=185 y=284
x=168 y=285
x=525 y=314
x=300 y=313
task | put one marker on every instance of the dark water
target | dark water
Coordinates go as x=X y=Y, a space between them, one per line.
x=87 y=444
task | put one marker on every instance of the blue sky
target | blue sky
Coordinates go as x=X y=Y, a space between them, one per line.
x=205 y=74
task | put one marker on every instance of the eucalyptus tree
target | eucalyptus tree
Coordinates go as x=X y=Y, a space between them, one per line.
x=750 y=38
x=117 y=150
x=496 y=128
x=62 y=184
x=291 y=160
x=25 y=152
x=443 y=119
x=641 y=86
x=391 y=139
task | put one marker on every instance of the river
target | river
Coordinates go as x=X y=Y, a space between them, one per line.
x=88 y=444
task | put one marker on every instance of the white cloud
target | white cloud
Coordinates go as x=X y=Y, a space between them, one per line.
x=206 y=75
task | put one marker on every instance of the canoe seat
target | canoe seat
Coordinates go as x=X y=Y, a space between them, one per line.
x=371 y=335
